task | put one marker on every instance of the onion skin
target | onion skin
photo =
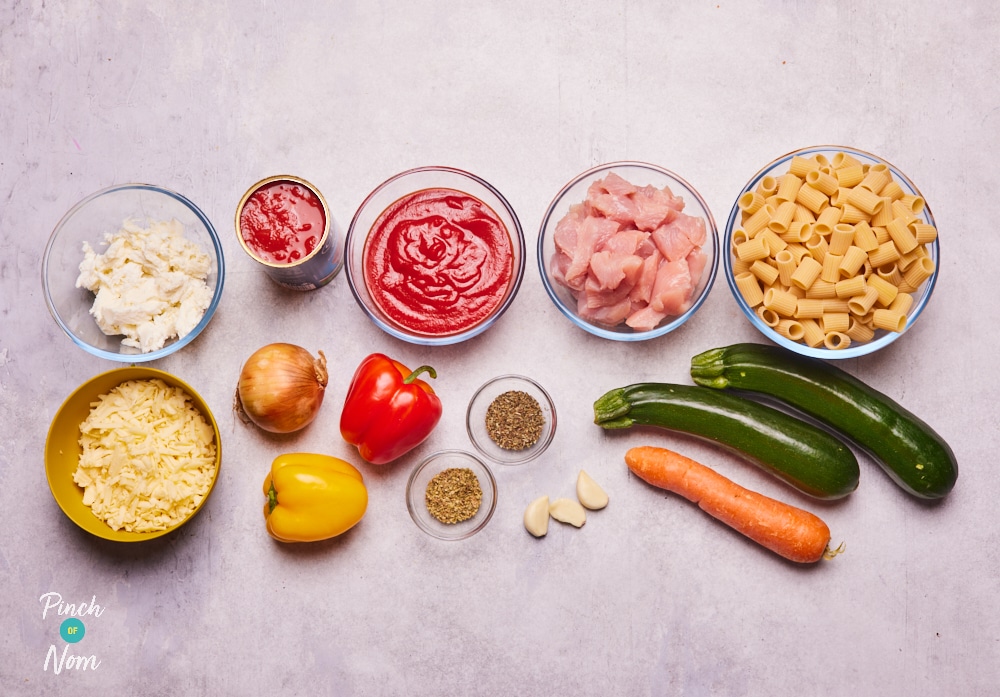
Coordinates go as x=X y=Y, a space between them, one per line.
x=281 y=387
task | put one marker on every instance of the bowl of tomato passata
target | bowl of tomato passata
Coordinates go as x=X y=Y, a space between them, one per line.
x=434 y=255
x=628 y=251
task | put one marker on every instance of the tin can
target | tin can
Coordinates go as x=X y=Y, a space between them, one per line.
x=284 y=224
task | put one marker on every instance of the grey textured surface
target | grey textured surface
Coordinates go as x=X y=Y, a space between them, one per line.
x=650 y=596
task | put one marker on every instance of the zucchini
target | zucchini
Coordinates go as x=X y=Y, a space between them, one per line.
x=909 y=450
x=804 y=456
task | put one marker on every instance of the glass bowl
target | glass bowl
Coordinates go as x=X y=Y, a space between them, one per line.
x=62 y=449
x=416 y=489
x=105 y=212
x=475 y=420
x=881 y=337
x=640 y=175
x=437 y=279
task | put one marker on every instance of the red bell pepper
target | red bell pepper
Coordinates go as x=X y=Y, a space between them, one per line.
x=388 y=410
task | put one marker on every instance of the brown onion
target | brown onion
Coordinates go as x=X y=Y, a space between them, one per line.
x=281 y=387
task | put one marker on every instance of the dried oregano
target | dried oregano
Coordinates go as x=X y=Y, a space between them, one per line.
x=514 y=420
x=453 y=495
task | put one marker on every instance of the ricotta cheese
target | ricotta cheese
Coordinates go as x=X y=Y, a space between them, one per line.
x=148 y=456
x=149 y=283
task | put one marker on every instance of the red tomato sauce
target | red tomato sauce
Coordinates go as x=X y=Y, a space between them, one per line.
x=282 y=222
x=438 y=261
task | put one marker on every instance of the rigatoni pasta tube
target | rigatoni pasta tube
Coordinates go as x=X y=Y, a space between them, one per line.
x=817 y=246
x=901 y=210
x=768 y=186
x=758 y=221
x=836 y=341
x=892 y=191
x=773 y=241
x=853 y=215
x=790 y=329
x=831 y=267
x=801 y=166
x=844 y=159
x=918 y=272
x=749 y=288
x=802 y=213
x=798 y=252
x=923 y=232
x=901 y=235
x=859 y=331
x=750 y=202
x=812 y=198
x=839 y=199
x=786 y=266
x=886 y=291
x=902 y=303
x=782 y=217
x=822 y=182
x=883 y=215
x=865 y=199
x=841 y=237
x=886 y=253
x=788 y=187
x=890 y=272
x=849 y=176
x=752 y=249
x=835 y=322
x=806 y=273
x=915 y=204
x=780 y=302
x=809 y=308
x=764 y=271
x=798 y=231
x=889 y=320
x=875 y=180
x=911 y=257
x=861 y=305
x=822 y=289
x=864 y=237
x=768 y=317
x=854 y=259
x=827 y=218
x=812 y=334
x=851 y=287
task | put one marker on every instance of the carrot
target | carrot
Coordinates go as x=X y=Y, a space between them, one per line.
x=793 y=533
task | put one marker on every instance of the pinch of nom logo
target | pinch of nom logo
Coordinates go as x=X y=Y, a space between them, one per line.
x=71 y=631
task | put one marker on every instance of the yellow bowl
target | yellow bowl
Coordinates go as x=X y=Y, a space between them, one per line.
x=62 y=449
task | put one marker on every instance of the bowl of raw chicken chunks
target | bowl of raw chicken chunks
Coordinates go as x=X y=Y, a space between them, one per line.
x=628 y=251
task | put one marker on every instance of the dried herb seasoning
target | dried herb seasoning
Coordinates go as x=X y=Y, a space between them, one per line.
x=453 y=495
x=514 y=420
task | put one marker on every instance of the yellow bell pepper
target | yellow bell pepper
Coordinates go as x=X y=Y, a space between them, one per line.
x=312 y=497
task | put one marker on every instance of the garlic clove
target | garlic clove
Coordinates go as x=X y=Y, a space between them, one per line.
x=590 y=493
x=536 y=516
x=568 y=511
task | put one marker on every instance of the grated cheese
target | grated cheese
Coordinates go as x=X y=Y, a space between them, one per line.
x=148 y=456
x=149 y=283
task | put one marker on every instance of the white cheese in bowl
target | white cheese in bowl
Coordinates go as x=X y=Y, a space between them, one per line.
x=148 y=456
x=149 y=283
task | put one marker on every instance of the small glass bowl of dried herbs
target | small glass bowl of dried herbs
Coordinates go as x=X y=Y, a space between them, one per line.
x=511 y=419
x=451 y=495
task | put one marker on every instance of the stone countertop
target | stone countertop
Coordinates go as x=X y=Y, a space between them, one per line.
x=650 y=596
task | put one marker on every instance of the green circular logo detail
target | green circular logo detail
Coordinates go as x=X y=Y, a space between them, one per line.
x=71 y=630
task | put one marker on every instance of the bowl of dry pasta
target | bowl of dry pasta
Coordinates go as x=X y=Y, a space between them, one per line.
x=832 y=252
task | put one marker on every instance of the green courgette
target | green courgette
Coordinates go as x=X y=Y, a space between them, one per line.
x=805 y=456
x=909 y=450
